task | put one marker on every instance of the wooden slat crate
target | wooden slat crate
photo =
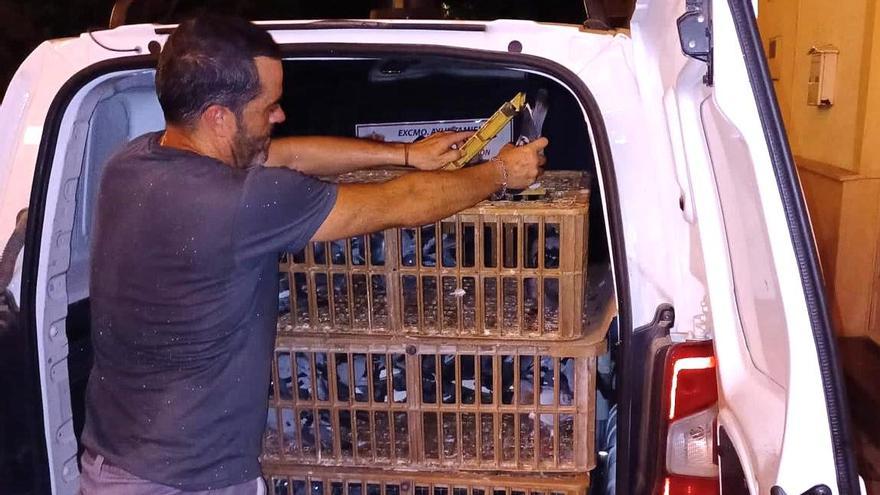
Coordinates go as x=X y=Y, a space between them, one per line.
x=286 y=479
x=512 y=269
x=362 y=401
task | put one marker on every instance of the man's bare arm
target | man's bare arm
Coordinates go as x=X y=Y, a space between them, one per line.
x=328 y=155
x=422 y=197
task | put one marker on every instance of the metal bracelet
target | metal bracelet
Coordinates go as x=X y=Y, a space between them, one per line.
x=500 y=164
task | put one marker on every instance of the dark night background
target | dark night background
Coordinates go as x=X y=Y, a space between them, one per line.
x=26 y=23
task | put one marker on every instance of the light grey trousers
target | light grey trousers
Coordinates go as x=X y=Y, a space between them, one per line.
x=99 y=477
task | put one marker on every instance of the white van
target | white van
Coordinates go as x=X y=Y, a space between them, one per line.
x=697 y=217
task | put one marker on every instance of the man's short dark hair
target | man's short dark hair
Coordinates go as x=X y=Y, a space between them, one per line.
x=209 y=60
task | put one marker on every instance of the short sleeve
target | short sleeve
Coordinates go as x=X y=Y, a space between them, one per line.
x=280 y=210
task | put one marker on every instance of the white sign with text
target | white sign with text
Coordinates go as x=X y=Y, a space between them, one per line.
x=408 y=132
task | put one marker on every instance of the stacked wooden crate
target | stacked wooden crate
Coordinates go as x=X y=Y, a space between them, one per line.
x=451 y=359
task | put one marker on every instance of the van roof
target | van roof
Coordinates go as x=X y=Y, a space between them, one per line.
x=613 y=13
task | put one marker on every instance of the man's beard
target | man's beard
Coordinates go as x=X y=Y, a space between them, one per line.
x=249 y=151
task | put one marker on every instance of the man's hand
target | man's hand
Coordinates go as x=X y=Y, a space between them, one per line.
x=523 y=163
x=437 y=150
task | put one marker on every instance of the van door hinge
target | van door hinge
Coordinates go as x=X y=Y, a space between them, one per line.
x=596 y=17
x=695 y=34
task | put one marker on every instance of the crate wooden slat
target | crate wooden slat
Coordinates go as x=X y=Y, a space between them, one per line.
x=363 y=401
x=291 y=479
x=516 y=269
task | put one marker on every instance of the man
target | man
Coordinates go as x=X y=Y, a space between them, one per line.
x=189 y=226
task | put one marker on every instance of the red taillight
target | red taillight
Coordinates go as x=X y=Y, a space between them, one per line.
x=690 y=411
x=684 y=485
x=694 y=386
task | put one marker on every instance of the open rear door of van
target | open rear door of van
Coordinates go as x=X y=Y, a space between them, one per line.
x=782 y=424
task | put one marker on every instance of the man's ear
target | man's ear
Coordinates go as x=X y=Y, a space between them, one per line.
x=220 y=120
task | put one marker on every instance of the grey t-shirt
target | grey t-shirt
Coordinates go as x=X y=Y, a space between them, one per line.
x=184 y=301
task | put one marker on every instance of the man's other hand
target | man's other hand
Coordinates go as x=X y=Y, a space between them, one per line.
x=437 y=149
x=523 y=163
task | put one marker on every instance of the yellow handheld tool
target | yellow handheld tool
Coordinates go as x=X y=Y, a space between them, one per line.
x=475 y=144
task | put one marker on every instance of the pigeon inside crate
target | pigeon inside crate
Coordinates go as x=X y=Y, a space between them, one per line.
x=501 y=268
x=340 y=407
x=434 y=407
x=517 y=410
